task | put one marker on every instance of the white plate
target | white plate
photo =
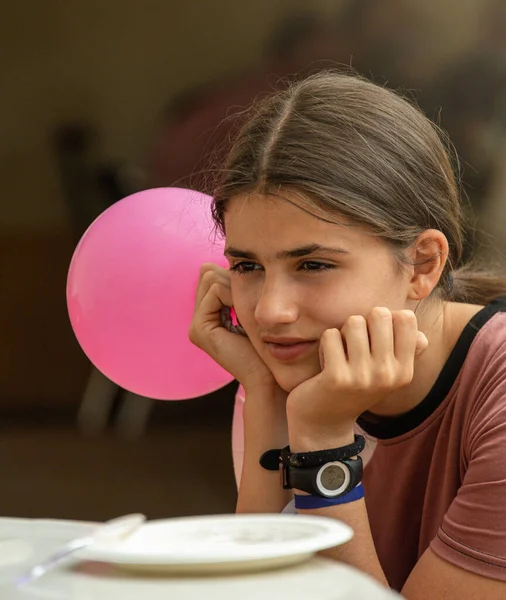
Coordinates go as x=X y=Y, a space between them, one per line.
x=221 y=543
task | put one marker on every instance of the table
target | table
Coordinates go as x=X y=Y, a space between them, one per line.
x=23 y=542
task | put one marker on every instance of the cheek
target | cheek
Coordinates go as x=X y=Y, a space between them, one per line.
x=331 y=312
x=355 y=296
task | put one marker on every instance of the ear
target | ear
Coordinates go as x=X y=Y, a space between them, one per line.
x=429 y=255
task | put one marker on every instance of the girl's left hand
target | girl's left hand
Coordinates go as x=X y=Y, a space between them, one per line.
x=362 y=364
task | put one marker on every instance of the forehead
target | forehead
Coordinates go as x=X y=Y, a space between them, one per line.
x=266 y=221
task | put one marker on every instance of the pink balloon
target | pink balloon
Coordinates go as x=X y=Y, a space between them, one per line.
x=131 y=289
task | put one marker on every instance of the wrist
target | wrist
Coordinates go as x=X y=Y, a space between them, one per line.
x=264 y=417
x=258 y=377
x=304 y=438
x=268 y=391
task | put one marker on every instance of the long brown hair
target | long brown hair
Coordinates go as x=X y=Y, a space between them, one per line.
x=348 y=146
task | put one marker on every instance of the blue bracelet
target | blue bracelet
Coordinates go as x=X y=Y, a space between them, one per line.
x=310 y=502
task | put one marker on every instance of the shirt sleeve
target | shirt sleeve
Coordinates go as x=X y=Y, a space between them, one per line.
x=473 y=532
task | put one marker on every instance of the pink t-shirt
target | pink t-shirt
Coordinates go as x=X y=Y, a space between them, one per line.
x=437 y=477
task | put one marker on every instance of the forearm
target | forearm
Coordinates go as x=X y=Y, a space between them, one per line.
x=265 y=428
x=359 y=552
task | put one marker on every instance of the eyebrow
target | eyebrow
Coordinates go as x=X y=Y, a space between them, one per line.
x=233 y=252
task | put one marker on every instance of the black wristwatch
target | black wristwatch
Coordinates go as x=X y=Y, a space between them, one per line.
x=330 y=480
x=327 y=473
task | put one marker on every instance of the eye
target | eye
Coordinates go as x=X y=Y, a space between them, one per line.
x=244 y=267
x=316 y=266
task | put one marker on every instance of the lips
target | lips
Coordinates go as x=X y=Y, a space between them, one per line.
x=288 y=349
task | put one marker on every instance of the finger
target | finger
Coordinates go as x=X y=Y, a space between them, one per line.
x=356 y=338
x=421 y=343
x=210 y=309
x=209 y=274
x=405 y=335
x=381 y=333
x=331 y=350
x=206 y=329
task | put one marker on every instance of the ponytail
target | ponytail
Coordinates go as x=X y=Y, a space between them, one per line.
x=472 y=285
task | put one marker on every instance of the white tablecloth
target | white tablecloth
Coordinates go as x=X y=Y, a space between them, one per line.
x=23 y=542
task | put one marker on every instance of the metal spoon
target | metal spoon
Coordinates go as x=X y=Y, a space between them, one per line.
x=110 y=531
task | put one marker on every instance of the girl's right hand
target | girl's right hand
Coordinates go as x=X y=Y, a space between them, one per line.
x=233 y=351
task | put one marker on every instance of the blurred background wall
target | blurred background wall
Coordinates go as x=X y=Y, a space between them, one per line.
x=112 y=65
x=99 y=99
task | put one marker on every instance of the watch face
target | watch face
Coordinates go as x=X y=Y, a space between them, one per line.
x=333 y=479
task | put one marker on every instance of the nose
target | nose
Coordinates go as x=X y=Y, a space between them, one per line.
x=277 y=303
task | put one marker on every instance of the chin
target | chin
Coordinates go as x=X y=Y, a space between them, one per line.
x=288 y=378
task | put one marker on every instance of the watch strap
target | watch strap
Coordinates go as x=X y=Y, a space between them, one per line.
x=320 y=457
x=271 y=459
